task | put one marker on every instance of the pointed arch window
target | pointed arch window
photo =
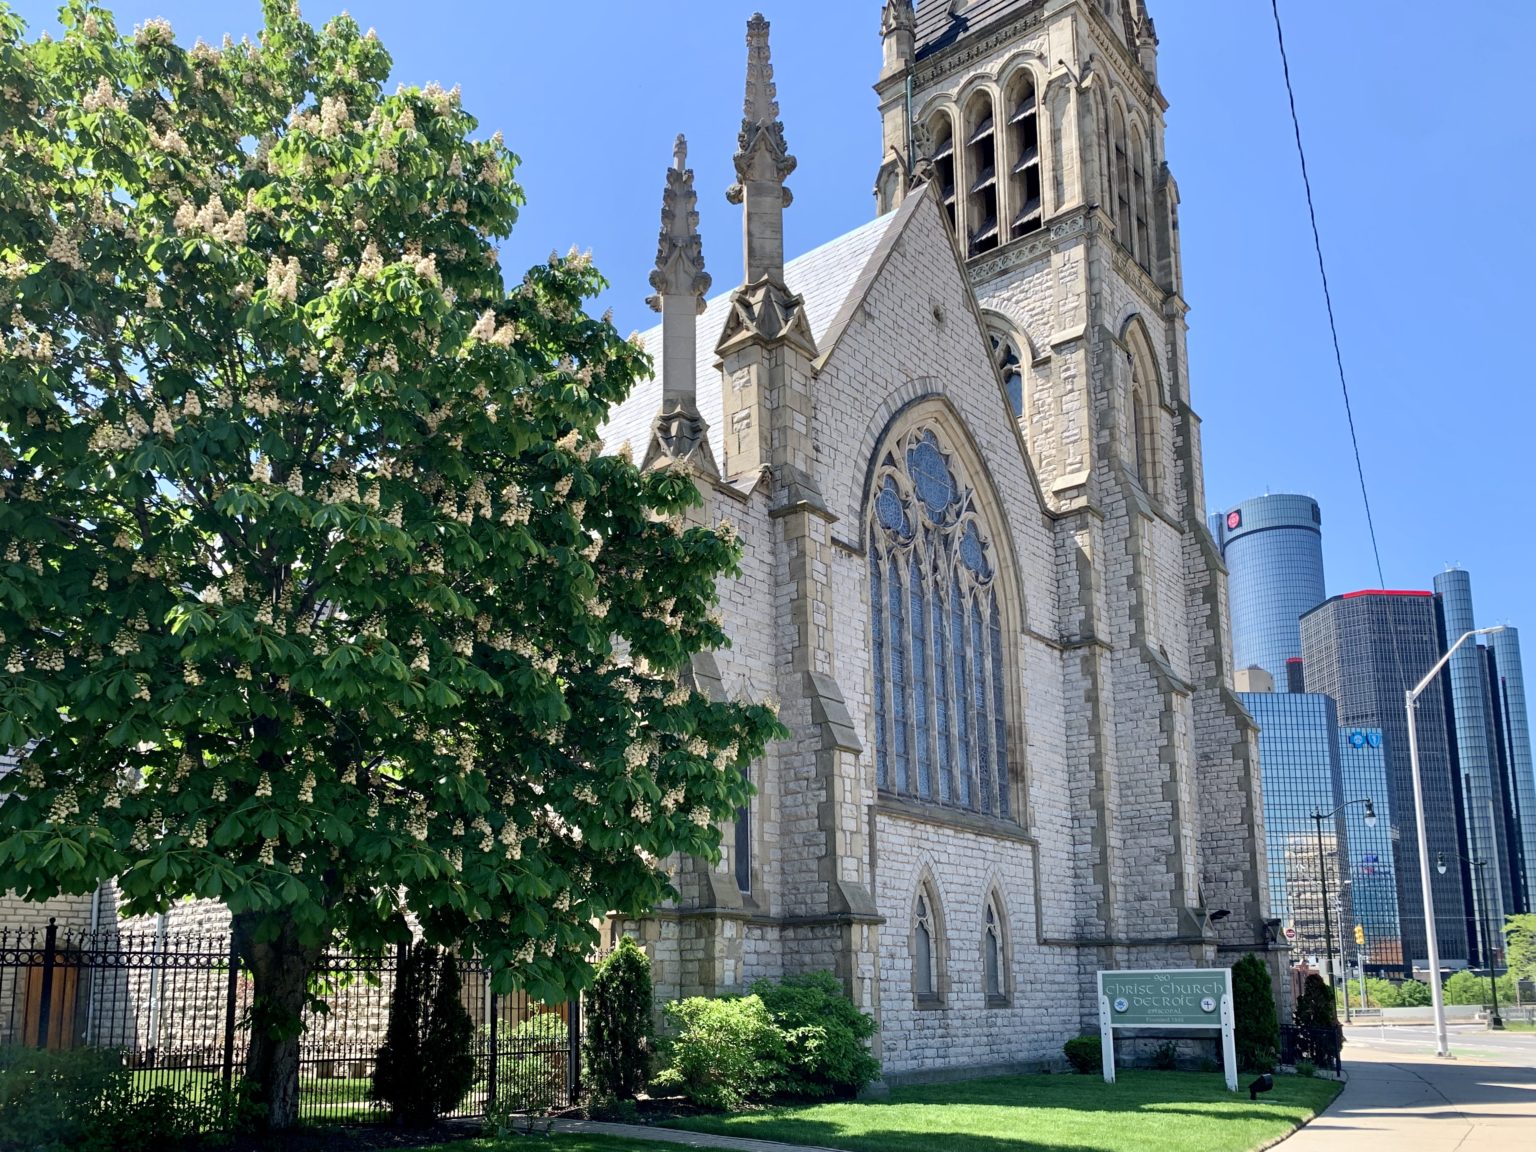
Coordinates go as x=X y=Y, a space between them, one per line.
x=1139 y=199
x=1010 y=366
x=941 y=130
x=925 y=949
x=1124 y=229
x=936 y=635
x=1143 y=430
x=981 y=220
x=1023 y=156
x=994 y=956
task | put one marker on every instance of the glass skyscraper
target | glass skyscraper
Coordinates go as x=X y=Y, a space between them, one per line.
x=1514 y=745
x=1373 y=876
x=1273 y=548
x=1472 y=755
x=1300 y=770
x=1367 y=650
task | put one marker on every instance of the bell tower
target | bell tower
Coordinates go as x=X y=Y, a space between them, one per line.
x=1042 y=125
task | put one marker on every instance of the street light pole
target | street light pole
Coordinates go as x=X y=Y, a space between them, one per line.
x=1437 y=995
x=1318 y=816
x=1495 y=1021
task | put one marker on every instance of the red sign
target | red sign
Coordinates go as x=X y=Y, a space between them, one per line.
x=1234 y=520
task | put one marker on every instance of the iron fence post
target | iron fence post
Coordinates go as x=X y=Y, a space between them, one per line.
x=490 y=1075
x=573 y=1045
x=45 y=999
x=231 y=991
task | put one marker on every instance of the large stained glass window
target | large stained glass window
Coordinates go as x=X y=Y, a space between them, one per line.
x=936 y=634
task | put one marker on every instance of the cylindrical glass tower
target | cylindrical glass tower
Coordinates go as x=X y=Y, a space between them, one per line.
x=1273 y=547
x=1510 y=686
x=1474 y=758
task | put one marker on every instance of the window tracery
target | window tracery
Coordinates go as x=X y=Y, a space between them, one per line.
x=925 y=969
x=936 y=634
x=994 y=956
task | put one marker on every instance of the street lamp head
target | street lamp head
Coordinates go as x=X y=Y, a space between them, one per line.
x=1440 y=863
x=1370 y=814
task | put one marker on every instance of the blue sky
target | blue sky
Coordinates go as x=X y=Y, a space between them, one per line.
x=1421 y=166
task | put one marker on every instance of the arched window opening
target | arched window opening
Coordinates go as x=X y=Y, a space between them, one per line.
x=925 y=982
x=942 y=131
x=1143 y=431
x=994 y=957
x=1124 y=228
x=981 y=176
x=743 y=842
x=936 y=634
x=1024 y=156
x=1139 y=200
x=1010 y=366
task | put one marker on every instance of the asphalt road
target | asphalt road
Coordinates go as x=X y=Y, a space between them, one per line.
x=1474 y=1041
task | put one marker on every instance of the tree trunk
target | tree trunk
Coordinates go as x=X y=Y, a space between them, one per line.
x=280 y=967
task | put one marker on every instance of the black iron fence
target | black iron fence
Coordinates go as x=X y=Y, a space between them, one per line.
x=177 y=1007
x=1322 y=1046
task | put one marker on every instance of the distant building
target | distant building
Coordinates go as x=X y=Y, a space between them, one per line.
x=1299 y=766
x=1513 y=744
x=1481 y=812
x=1366 y=650
x=1372 y=872
x=1273 y=548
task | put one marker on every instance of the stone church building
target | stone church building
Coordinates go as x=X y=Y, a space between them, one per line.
x=959 y=447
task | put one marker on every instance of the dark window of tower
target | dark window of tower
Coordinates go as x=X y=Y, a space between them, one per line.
x=980 y=175
x=743 y=843
x=1139 y=200
x=1023 y=155
x=943 y=132
x=936 y=637
x=1124 y=229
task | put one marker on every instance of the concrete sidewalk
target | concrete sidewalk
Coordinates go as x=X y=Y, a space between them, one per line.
x=1415 y=1102
x=685 y=1139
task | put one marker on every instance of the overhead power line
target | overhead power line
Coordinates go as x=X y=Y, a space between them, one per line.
x=1322 y=270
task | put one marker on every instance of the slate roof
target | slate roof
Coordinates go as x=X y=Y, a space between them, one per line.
x=938 y=29
x=824 y=277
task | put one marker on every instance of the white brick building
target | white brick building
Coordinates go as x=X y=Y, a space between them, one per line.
x=959 y=447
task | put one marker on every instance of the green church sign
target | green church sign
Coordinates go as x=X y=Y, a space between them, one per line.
x=1171 y=1001
x=1177 y=999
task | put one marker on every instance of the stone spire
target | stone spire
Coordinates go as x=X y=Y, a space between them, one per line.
x=763 y=163
x=898 y=36
x=680 y=282
x=1146 y=41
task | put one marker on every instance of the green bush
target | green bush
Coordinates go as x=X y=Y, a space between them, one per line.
x=1414 y=994
x=1084 y=1053
x=84 y=1101
x=618 y=1038
x=425 y=1067
x=57 y=1100
x=725 y=1052
x=1256 y=1023
x=1306 y=1068
x=1165 y=1057
x=825 y=1036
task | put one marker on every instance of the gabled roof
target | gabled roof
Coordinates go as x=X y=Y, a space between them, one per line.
x=825 y=277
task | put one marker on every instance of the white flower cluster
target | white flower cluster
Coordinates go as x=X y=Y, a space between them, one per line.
x=700 y=816
x=65 y=805
x=333 y=116
x=104 y=98
x=283 y=279
x=584 y=793
x=49 y=660
x=64 y=249
x=153 y=32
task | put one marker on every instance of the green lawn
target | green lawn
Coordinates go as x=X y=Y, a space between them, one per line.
x=553 y=1144
x=1143 y=1112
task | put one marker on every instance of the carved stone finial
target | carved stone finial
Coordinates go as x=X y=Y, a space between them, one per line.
x=897 y=16
x=762 y=161
x=679 y=249
x=679 y=434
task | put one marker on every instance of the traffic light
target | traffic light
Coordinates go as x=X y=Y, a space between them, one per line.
x=1359 y=934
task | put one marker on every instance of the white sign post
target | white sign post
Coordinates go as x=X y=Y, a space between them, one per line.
x=1183 y=1000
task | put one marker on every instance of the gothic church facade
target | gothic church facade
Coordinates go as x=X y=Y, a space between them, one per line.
x=959 y=448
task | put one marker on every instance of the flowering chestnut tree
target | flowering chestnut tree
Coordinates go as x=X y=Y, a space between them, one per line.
x=317 y=595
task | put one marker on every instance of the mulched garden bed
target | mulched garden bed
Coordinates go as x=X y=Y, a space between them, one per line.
x=354 y=1138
